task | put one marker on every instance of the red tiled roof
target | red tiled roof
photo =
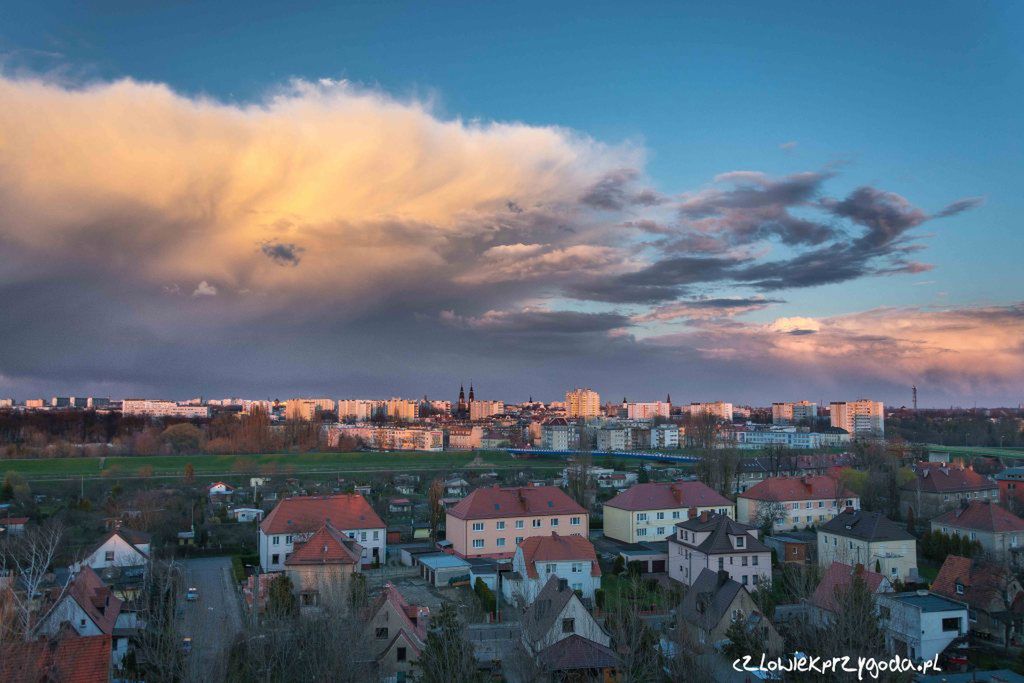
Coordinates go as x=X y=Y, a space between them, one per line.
x=418 y=629
x=526 y=501
x=306 y=514
x=985 y=586
x=68 y=658
x=939 y=477
x=982 y=515
x=93 y=596
x=556 y=548
x=326 y=546
x=838 y=577
x=797 y=488
x=660 y=496
x=8 y=521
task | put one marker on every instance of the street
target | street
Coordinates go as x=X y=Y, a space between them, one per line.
x=211 y=621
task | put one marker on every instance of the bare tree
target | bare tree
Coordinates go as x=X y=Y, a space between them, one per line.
x=580 y=478
x=29 y=557
x=769 y=514
x=158 y=656
x=445 y=657
x=634 y=641
x=436 y=507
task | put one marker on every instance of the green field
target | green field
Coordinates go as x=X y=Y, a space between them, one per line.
x=273 y=463
x=991 y=451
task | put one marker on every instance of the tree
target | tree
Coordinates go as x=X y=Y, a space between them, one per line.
x=190 y=473
x=445 y=657
x=744 y=641
x=634 y=640
x=436 y=507
x=182 y=438
x=769 y=514
x=158 y=655
x=30 y=555
x=281 y=600
x=580 y=479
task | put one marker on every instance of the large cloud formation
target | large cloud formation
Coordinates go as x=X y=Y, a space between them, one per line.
x=333 y=238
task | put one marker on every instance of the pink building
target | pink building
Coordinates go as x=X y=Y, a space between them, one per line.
x=716 y=542
x=492 y=521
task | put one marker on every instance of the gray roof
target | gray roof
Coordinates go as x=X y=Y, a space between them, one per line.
x=709 y=598
x=540 y=616
x=866 y=526
x=721 y=528
x=929 y=602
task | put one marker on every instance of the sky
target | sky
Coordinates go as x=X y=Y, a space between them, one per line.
x=751 y=202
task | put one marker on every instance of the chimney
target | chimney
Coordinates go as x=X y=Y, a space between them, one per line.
x=723 y=577
x=704 y=516
x=858 y=570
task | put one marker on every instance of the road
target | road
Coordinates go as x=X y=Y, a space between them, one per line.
x=213 y=620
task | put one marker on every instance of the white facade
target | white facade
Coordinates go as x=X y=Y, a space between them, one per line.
x=719 y=409
x=799 y=514
x=788 y=436
x=896 y=559
x=862 y=417
x=275 y=548
x=648 y=411
x=117 y=552
x=481 y=410
x=919 y=624
x=576 y=573
x=159 y=408
x=359 y=409
x=745 y=566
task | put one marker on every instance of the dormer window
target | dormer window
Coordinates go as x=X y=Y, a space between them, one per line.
x=959 y=588
x=740 y=542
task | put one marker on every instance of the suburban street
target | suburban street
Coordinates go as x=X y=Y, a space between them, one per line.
x=213 y=620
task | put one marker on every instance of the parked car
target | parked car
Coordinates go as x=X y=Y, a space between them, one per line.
x=192 y=595
x=186 y=644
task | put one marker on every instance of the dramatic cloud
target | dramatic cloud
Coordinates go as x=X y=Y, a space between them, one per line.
x=707 y=308
x=532 y=321
x=282 y=254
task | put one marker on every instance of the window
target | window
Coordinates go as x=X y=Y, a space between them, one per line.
x=478 y=543
x=744 y=562
x=973 y=535
x=519 y=539
x=661 y=531
x=500 y=526
x=754 y=560
x=500 y=542
x=740 y=542
x=554 y=521
x=519 y=524
x=275 y=559
x=821 y=503
x=288 y=539
x=537 y=523
x=577 y=567
x=574 y=521
x=376 y=535
x=849 y=502
x=675 y=514
x=382 y=633
x=641 y=532
x=807 y=505
x=959 y=588
x=81 y=622
x=550 y=568
x=478 y=526
x=641 y=517
x=660 y=515
x=721 y=563
x=277 y=540
x=362 y=536
x=109 y=555
x=568 y=625
x=744 y=580
x=577 y=586
x=951 y=624
x=400 y=654
x=796 y=506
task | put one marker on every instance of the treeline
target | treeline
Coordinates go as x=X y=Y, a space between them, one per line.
x=991 y=428
x=62 y=434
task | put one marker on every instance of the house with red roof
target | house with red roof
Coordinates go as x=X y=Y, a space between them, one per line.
x=90 y=608
x=13 y=525
x=295 y=520
x=828 y=597
x=538 y=558
x=66 y=657
x=648 y=512
x=795 y=502
x=719 y=543
x=398 y=633
x=938 y=487
x=997 y=529
x=491 y=521
x=991 y=591
x=322 y=563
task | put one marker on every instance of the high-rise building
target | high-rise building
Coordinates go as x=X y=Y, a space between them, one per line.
x=719 y=409
x=481 y=410
x=306 y=408
x=161 y=408
x=582 y=403
x=358 y=408
x=403 y=409
x=648 y=410
x=794 y=413
x=862 y=417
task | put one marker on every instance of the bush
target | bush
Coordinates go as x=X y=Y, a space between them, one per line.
x=599 y=597
x=619 y=565
x=486 y=595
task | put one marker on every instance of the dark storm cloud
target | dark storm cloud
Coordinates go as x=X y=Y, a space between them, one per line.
x=614 y=290
x=615 y=192
x=535 y=321
x=282 y=253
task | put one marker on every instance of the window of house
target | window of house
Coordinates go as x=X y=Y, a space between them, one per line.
x=537 y=523
x=754 y=561
x=574 y=521
x=382 y=633
x=499 y=525
x=577 y=567
x=641 y=532
x=807 y=505
x=577 y=586
x=661 y=531
x=951 y=624
x=568 y=625
x=740 y=542
x=721 y=563
x=744 y=580
x=519 y=524
x=675 y=514
x=519 y=539
x=849 y=502
x=109 y=555
x=821 y=503
x=277 y=540
x=959 y=588
x=554 y=521
x=744 y=561
x=973 y=536
x=275 y=559
x=660 y=515
x=362 y=536
x=641 y=517
x=400 y=654
x=500 y=542
x=478 y=526
x=288 y=538
x=376 y=535
x=550 y=568
x=478 y=543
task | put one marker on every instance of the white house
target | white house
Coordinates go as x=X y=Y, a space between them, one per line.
x=716 y=542
x=294 y=520
x=795 y=502
x=219 y=489
x=920 y=624
x=870 y=539
x=119 y=548
x=246 y=514
x=556 y=614
x=538 y=558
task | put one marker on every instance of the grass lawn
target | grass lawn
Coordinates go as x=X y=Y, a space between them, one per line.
x=1007 y=452
x=617 y=595
x=271 y=463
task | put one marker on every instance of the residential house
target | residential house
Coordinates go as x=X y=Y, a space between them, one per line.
x=871 y=539
x=938 y=487
x=579 y=659
x=992 y=593
x=457 y=487
x=919 y=624
x=492 y=521
x=558 y=434
x=538 y=558
x=799 y=502
x=121 y=547
x=717 y=542
x=88 y=607
x=294 y=520
x=246 y=515
x=218 y=491
x=558 y=613
x=826 y=602
x=402 y=506
x=647 y=512
x=13 y=526
x=63 y=657
x=794 y=547
x=399 y=633
x=322 y=564
x=1010 y=482
x=715 y=602
x=997 y=529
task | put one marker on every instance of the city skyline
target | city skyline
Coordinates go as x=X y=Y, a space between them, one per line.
x=694 y=207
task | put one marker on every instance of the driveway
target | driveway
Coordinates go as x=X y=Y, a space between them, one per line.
x=214 y=619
